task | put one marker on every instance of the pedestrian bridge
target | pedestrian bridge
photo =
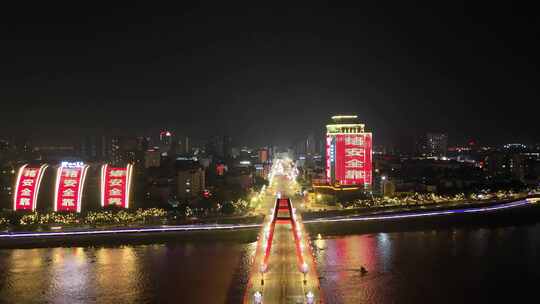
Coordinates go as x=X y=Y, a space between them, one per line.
x=283 y=268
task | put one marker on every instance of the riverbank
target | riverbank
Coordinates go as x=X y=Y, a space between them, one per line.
x=131 y=235
x=387 y=220
x=310 y=215
x=13 y=221
x=487 y=215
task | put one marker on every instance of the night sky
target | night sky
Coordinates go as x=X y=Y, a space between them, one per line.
x=271 y=75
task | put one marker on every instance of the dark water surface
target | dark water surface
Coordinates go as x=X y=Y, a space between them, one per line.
x=446 y=266
x=195 y=272
x=441 y=266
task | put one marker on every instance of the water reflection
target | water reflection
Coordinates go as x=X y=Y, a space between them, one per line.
x=384 y=247
x=14 y=273
x=123 y=263
x=69 y=274
x=444 y=266
x=173 y=273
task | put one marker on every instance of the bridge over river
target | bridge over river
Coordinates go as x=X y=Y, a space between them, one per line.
x=283 y=267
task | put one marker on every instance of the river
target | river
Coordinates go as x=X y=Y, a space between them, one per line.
x=441 y=266
x=465 y=265
x=193 y=272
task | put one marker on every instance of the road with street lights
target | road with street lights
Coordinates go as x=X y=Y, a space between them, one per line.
x=283 y=267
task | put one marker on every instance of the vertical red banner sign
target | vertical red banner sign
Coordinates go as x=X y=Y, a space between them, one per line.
x=69 y=187
x=368 y=166
x=115 y=185
x=353 y=159
x=27 y=187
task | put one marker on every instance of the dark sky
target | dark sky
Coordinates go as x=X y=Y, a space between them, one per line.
x=271 y=74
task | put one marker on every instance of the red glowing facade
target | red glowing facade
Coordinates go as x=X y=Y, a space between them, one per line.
x=348 y=153
x=115 y=185
x=69 y=189
x=27 y=187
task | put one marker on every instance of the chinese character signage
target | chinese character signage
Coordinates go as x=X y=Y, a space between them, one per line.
x=349 y=159
x=27 y=187
x=69 y=187
x=115 y=185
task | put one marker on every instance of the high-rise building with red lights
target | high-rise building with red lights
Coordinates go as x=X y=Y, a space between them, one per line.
x=348 y=153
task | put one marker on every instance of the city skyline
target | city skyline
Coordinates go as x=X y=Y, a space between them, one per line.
x=407 y=144
x=259 y=152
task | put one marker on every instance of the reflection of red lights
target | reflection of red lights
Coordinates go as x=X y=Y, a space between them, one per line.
x=367 y=249
x=356 y=251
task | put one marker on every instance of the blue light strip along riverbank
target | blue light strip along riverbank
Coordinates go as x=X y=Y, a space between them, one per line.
x=13 y=235
x=17 y=235
x=413 y=214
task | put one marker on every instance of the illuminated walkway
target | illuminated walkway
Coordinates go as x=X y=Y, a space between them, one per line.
x=283 y=267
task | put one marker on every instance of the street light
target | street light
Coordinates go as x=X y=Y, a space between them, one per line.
x=383 y=181
x=310 y=297
x=257 y=297
x=304 y=268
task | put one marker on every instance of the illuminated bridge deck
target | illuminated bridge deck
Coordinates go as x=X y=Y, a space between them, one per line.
x=283 y=256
